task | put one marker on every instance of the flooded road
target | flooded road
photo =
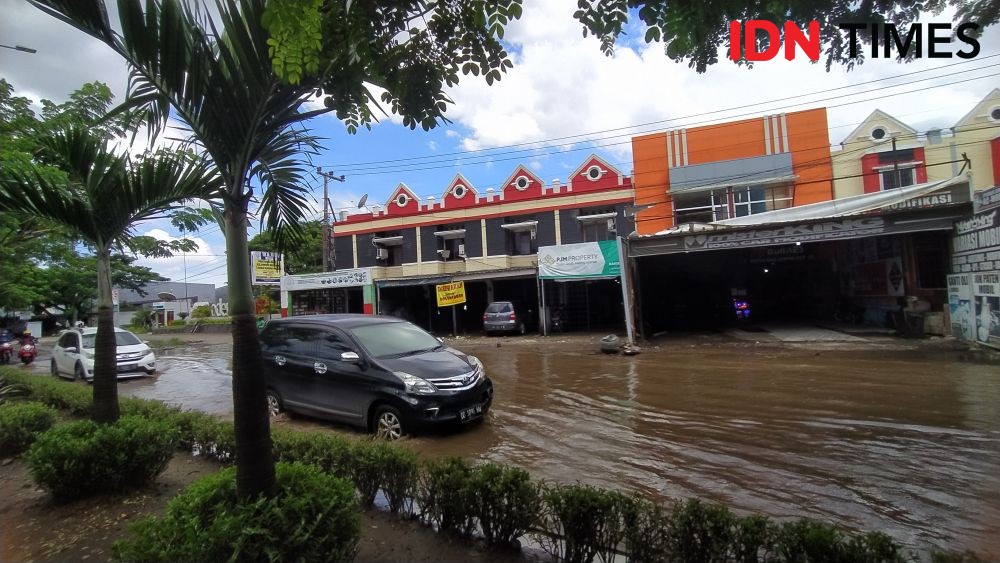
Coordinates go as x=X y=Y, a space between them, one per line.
x=906 y=441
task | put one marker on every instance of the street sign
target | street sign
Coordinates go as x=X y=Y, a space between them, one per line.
x=450 y=294
x=114 y=296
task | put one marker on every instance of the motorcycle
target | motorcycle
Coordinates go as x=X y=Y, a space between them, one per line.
x=28 y=352
x=6 y=351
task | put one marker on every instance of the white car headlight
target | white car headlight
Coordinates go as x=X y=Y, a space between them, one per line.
x=415 y=384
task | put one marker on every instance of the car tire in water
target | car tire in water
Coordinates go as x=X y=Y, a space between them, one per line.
x=274 y=404
x=53 y=368
x=388 y=423
x=78 y=372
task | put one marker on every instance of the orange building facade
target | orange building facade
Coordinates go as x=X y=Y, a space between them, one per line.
x=716 y=172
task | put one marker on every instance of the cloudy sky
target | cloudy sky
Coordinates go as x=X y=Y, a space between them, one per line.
x=562 y=101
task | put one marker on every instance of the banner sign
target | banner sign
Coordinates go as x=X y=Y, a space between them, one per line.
x=450 y=294
x=976 y=243
x=834 y=229
x=341 y=278
x=582 y=260
x=265 y=268
x=986 y=289
x=988 y=199
x=960 y=306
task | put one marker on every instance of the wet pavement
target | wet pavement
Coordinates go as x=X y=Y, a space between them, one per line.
x=888 y=436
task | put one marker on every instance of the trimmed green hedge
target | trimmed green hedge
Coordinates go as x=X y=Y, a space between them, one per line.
x=82 y=458
x=311 y=517
x=20 y=425
x=502 y=504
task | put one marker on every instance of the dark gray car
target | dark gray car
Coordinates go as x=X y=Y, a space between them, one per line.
x=380 y=373
x=510 y=317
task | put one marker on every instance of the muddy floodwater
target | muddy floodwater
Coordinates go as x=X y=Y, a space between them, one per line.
x=898 y=438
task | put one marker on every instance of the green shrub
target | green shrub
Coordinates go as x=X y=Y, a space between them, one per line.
x=873 y=547
x=313 y=516
x=808 y=540
x=11 y=390
x=647 y=531
x=62 y=395
x=83 y=458
x=505 y=502
x=700 y=533
x=400 y=468
x=443 y=495
x=753 y=539
x=178 y=323
x=21 y=423
x=214 y=439
x=365 y=467
x=201 y=312
x=330 y=452
x=955 y=557
x=583 y=522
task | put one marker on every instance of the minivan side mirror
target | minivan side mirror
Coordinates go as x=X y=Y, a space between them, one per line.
x=350 y=357
x=71 y=349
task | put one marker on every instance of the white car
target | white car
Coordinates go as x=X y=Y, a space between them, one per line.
x=73 y=355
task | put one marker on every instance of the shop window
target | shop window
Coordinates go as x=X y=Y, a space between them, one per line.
x=597 y=223
x=892 y=179
x=520 y=243
x=737 y=201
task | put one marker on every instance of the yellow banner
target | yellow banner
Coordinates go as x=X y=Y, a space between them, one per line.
x=451 y=294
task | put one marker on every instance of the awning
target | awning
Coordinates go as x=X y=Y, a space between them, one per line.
x=730 y=183
x=454 y=233
x=389 y=241
x=523 y=226
x=845 y=206
x=596 y=217
x=405 y=282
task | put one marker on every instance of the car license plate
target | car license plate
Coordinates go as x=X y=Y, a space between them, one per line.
x=470 y=413
x=126 y=367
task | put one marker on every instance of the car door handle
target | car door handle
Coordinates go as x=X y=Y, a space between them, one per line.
x=280 y=360
x=319 y=367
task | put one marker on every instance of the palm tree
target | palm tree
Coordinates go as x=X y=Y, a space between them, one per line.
x=220 y=84
x=106 y=194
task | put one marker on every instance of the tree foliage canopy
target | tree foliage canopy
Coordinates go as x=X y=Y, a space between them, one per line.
x=409 y=49
x=694 y=31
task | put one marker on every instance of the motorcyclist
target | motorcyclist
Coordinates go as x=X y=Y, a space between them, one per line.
x=27 y=338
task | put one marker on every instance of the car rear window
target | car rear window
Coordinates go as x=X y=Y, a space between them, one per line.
x=500 y=308
x=121 y=339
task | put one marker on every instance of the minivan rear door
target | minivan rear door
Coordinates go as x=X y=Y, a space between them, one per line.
x=288 y=352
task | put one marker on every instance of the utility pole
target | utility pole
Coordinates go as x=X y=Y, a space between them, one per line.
x=328 y=258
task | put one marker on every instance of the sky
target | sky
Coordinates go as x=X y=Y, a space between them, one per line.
x=562 y=101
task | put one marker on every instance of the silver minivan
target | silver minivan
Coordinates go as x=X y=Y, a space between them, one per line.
x=507 y=317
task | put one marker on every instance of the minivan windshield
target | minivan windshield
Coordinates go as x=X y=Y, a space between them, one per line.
x=121 y=339
x=386 y=340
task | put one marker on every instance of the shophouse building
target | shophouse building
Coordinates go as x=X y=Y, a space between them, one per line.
x=390 y=257
x=762 y=214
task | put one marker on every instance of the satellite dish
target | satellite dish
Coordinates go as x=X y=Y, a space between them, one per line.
x=363 y=201
x=166 y=296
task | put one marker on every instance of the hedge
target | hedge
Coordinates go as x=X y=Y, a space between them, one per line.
x=501 y=504
x=21 y=423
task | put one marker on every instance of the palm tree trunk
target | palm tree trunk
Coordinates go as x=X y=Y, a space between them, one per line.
x=254 y=461
x=105 y=408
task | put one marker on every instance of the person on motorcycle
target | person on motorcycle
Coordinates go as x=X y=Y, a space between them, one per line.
x=27 y=338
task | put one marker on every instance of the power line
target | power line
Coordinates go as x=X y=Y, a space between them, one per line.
x=502 y=149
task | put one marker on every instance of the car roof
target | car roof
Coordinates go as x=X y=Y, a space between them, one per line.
x=339 y=320
x=93 y=330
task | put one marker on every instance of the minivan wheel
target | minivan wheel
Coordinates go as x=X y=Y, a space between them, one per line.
x=79 y=373
x=274 y=406
x=53 y=369
x=388 y=423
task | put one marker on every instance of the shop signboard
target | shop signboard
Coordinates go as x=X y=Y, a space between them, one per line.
x=265 y=268
x=976 y=243
x=449 y=294
x=960 y=306
x=578 y=261
x=986 y=291
x=356 y=277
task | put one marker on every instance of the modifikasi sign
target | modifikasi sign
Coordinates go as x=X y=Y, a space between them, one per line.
x=578 y=261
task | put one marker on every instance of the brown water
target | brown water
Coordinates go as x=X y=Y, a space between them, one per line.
x=898 y=440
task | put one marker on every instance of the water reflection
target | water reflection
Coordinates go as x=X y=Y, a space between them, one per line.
x=898 y=441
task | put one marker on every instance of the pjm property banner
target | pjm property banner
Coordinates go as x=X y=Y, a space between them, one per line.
x=582 y=260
